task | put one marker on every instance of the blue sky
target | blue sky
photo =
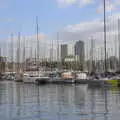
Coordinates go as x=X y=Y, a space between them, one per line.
x=51 y=16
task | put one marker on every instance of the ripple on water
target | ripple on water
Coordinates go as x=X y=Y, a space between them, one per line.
x=57 y=102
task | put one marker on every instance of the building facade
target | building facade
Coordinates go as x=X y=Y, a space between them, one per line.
x=79 y=51
x=64 y=51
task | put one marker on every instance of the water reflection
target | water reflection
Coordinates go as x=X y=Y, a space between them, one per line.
x=57 y=102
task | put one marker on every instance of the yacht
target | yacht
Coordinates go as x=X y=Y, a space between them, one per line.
x=18 y=77
x=54 y=77
x=68 y=77
x=27 y=78
x=34 y=78
x=42 y=78
x=81 y=77
x=8 y=76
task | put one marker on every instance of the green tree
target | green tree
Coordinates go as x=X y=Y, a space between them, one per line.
x=2 y=64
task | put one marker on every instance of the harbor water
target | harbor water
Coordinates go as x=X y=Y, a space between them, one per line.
x=20 y=101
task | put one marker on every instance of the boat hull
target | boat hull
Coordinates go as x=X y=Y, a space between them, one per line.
x=42 y=80
x=81 y=81
x=29 y=79
x=104 y=83
x=68 y=81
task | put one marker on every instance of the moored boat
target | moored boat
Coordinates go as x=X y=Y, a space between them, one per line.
x=104 y=80
x=35 y=79
x=81 y=77
x=54 y=77
x=42 y=78
x=18 y=77
x=68 y=77
x=27 y=78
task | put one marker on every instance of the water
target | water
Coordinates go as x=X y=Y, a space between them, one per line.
x=57 y=102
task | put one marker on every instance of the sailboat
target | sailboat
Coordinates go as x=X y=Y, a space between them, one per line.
x=104 y=79
x=55 y=75
x=39 y=77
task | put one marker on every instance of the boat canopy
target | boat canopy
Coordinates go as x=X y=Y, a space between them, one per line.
x=67 y=75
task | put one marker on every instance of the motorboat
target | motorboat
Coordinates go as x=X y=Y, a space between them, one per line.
x=68 y=77
x=18 y=77
x=81 y=77
x=43 y=78
x=40 y=78
x=27 y=78
x=54 y=76
x=8 y=76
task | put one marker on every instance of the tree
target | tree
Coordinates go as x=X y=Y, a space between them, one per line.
x=2 y=64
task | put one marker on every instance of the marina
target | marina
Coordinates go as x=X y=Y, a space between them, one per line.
x=67 y=77
x=60 y=64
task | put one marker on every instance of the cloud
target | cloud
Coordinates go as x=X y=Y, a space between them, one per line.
x=85 y=2
x=6 y=20
x=110 y=6
x=70 y=2
x=84 y=31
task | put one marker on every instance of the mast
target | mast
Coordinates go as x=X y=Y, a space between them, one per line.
x=101 y=60
x=31 y=60
x=119 y=39
x=37 y=43
x=44 y=59
x=0 y=60
x=11 y=52
x=52 y=56
x=35 y=58
x=92 y=53
x=18 y=53
x=0 y=51
x=58 y=48
x=52 y=51
x=24 y=62
x=105 y=50
x=115 y=45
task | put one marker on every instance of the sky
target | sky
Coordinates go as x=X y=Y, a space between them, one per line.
x=53 y=15
x=73 y=19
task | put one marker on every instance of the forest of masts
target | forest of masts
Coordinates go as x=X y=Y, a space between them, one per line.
x=94 y=57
